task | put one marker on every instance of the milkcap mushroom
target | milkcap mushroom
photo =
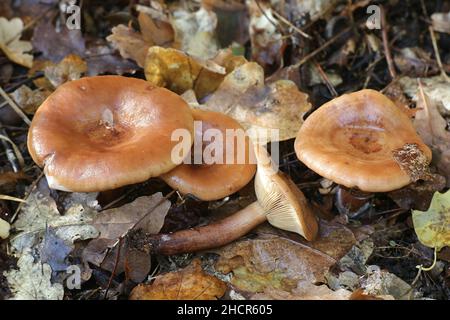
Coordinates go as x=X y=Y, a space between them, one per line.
x=352 y=140
x=100 y=133
x=212 y=181
x=279 y=201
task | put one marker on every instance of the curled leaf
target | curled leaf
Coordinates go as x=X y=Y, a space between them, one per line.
x=190 y=283
x=10 y=43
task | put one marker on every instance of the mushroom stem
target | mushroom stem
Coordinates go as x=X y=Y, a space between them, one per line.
x=210 y=236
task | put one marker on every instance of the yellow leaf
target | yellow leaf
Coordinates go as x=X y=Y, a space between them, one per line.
x=10 y=43
x=190 y=283
x=433 y=226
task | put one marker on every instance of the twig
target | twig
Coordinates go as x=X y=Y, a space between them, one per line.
x=13 y=154
x=113 y=273
x=387 y=51
x=290 y=24
x=325 y=78
x=322 y=47
x=15 y=107
x=436 y=52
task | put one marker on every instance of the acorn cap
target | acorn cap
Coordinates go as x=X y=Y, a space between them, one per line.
x=216 y=180
x=352 y=139
x=285 y=205
x=101 y=133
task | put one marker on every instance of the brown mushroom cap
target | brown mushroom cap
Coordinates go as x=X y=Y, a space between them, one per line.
x=103 y=132
x=351 y=141
x=214 y=181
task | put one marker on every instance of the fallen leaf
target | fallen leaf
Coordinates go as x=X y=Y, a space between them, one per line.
x=262 y=109
x=146 y=213
x=55 y=44
x=441 y=21
x=4 y=229
x=180 y=72
x=54 y=251
x=436 y=88
x=415 y=62
x=274 y=262
x=190 y=283
x=304 y=291
x=72 y=67
x=32 y=280
x=267 y=41
x=195 y=32
x=101 y=59
x=154 y=31
x=385 y=284
x=40 y=212
x=433 y=226
x=10 y=43
x=431 y=127
x=130 y=43
x=29 y=100
x=9 y=180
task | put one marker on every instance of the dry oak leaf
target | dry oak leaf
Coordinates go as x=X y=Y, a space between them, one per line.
x=433 y=226
x=10 y=43
x=130 y=43
x=263 y=109
x=272 y=262
x=179 y=72
x=190 y=283
x=29 y=100
x=431 y=127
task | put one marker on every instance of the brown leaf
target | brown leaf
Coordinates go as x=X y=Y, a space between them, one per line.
x=190 y=283
x=130 y=43
x=431 y=127
x=29 y=100
x=266 y=40
x=304 y=291
x=259 y=107
x=114 y=223
x=10 y=43
x=272 y=263
x=155 y=32
x=57 y=44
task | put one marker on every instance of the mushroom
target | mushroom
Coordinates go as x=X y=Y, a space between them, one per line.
x=100 y=133
x=208 y=179
x=279 y=201
x=354 y=140
x=4 y=229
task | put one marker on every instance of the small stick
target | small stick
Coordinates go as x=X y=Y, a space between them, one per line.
x=387 y=51
x=290 y=24
x=436 y=52
x=15 y=107
x=325 y=78
x=322 y=47
x=9 y=151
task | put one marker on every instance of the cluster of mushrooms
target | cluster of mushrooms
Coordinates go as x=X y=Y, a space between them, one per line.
x=101 y=133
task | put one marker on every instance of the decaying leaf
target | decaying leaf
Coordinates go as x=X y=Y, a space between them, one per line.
x=32 y=280
x=433 y=226
x=441 y=21
x=146 y=213
x=29 y=100
x=180 y=72
x=4 y=229
x=40 y=212
x=267 y=41
x=54 y=251
x=436 y=88
x=195 y=32
x=431 y=127
x=387 y=285
x=57 y=43
x=130 y=43
x=304 y=291
x=262 y=109
x=273 y=262
x=190 y=283
x=10 y=43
